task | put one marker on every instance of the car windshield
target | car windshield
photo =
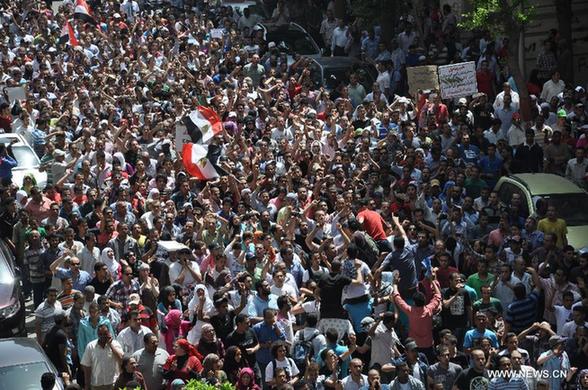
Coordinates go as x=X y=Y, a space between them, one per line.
x=333 y=77
x=294 y=40
x=570 y=207
x=22 y=376
x=25 y=156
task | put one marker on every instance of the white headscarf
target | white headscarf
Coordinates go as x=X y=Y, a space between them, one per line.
x=111 y=263
x=194 y=334
x=20 y=195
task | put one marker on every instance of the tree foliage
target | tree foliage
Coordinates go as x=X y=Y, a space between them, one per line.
x=498 y=16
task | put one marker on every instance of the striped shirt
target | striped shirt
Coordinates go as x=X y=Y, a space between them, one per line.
x=514 y=383
x=45 y=315
x=520 y=314
x=36 y=266
x=66 y=299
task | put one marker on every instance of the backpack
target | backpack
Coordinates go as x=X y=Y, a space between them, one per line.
x=302 y=350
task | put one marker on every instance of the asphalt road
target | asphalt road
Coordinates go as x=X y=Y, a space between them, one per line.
x=30 y=318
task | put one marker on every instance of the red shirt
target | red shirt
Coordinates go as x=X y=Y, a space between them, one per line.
x=443 y=275
x=485 y=82
x=420 y=319
x=372 y=223
x=6 y=123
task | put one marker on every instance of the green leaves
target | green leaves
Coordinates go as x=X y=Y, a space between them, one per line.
x=201 y=385
x=497 y=16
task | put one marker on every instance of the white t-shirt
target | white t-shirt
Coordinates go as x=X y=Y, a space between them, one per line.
x=176 y=268
x=562 y=315
x=286 y=289
x=569 y=329
x=287 y=364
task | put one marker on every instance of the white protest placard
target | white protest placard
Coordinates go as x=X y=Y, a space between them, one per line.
x=171 y=246
x=16 y=93
x=55 y=6
x=422 y=77
x=216 y=33
x=458 y=80
x=182 y=136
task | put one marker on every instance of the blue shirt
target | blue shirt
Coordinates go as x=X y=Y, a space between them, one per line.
x=6 y=165
x=470 y=153
x=491 y=166
x=266 y=333
x=79 y=283
x=87 y=333
x=258 y=305
x=403 y=261
x=358 y=311
x=555 y=363
x=473 y=334
x=297 y=271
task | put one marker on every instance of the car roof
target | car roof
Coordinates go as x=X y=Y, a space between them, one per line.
x=546 y=184
x=273 y=27
x=6 y=138
x=20 y=350
x=337 y=62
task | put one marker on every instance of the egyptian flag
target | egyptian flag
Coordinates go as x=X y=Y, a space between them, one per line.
x=83 y=12
x=199 y=161
x=203 y=124
x=68 y=35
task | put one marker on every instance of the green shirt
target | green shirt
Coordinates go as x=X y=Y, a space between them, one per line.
x=473 y=187
x=495 y=303
x=476 y=283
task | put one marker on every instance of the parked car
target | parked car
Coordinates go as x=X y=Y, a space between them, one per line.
x=22 y=363
x=291 y=38
x=330 y=72
x=239 y=5
x=12 y=304
x=27 y=159
x=569 y=199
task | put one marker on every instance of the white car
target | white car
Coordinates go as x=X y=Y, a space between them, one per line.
x=239 y=5
x=28 y=162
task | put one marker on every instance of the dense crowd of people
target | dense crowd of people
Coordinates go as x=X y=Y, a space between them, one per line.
x=352 y=240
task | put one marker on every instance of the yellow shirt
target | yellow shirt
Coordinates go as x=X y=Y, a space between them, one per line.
x=557 y=227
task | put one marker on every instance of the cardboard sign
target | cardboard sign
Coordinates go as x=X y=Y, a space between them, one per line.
x=458 y=80
x=422 y=77
x=216 y=33
x=16 y=93
x=182 y=136
x=55 y=6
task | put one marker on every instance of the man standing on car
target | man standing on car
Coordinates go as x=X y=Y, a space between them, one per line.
x=7 y=162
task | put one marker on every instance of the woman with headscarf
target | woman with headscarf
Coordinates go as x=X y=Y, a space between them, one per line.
x=129 y=373
x=21 y=199
x=200 y=301
x=246 y=380
x=28 y=182
x=174 y=327
x=184 y=364
x=582 y=380
x=233 y=363
x=212 y=369
x=127 y=169
x=167 y=301
x=107 y=257
x=209 y=343
x=153 y=194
